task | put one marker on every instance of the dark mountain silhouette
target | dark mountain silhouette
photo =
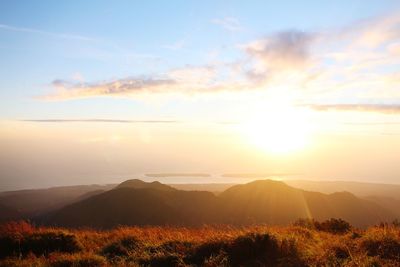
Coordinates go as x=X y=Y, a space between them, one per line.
x=139 y=184
x=215 y=188
x=135 y=202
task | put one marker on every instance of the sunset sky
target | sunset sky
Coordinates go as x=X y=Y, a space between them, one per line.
x=101 y=91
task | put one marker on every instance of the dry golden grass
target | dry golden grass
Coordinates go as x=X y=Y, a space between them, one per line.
x=24 y=245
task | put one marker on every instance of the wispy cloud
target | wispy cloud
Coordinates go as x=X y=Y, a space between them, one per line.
x=98 y=121
x=41 y=32
x=187 y=80
x=128 y=86
x=228 y=23
x=380 y=108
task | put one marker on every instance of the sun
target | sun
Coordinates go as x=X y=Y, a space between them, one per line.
x=279 y=130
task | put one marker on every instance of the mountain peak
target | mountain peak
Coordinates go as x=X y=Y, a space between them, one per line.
x=139 y=184
x=268 y=182
x=266 y=185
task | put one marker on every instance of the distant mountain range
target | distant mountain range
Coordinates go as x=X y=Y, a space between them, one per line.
x=33 y=202
x=135 y=202
x=360 y=189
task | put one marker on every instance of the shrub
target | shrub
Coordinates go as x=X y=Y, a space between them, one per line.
x=385 y=247
x=38 y=243
x=22 y=263
x=176 y=247
x=79 y=260
x=121 y=248
x=334 y=226
x=254 y=249
x=166 y=260
x=263 y=250
x=220 y=260
x=305 y=223
x=289 y=254
x=207 y=250
x=11 y=237
x=16 y=229
x=46 y=242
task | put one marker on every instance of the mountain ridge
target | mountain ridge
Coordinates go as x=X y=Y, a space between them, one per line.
x=135 y=202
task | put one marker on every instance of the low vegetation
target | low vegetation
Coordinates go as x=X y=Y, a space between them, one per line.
x=305 y=243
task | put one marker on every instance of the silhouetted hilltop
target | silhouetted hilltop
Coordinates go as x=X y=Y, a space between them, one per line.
x=139 y=184
x=135 y=202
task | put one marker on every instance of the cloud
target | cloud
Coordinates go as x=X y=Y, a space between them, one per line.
x=187 y=80
x=287 y=49
x=380 y=108
x=128 y=86
x=278 y=54
x=51 y=34
x=347 y=65
x=98 y=121
x=372 y=33
x=228 y=23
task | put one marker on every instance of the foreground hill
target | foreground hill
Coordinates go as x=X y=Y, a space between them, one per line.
x=256 y=245
x=135 y=202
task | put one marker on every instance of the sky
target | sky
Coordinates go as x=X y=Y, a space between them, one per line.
x=102 y=91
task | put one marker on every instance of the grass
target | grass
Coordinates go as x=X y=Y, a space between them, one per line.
x=306 y=243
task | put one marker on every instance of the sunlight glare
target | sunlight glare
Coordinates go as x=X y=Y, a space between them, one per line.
x=279 y=130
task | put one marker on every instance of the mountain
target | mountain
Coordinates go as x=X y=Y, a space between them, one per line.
x=34 y=202
x=215 y=188
x=135 y=202
x=388 y=203
x=360 y=189
x=139 y=184
x=274 y=202
x=7 y=214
